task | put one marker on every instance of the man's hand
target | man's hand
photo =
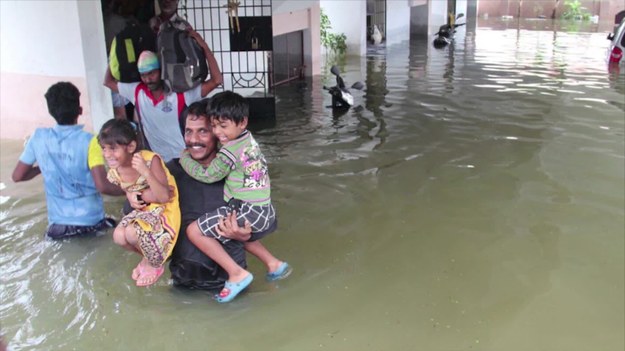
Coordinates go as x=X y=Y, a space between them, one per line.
x=109 y=81
x=135 y=200
x=194 y=34
x=198 y=38
x=230 y=229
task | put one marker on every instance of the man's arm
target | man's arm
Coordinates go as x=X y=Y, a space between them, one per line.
x=23 y=172
x=95 y=161
x=109 y=81
x=216 y=79
x=102 y=183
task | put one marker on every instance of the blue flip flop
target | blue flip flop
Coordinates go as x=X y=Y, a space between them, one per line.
x=234 y=289
x=282 y=272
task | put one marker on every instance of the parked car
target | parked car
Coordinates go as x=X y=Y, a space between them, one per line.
x=617 y=45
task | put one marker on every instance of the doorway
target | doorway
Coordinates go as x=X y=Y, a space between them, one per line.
x=376 y=16
x=288 y=57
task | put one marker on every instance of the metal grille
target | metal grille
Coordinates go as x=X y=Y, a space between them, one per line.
x=245 y=71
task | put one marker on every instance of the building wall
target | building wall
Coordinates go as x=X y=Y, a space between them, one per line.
x=285 y=6
x=94 y=55
x=461 y=7
x=437 y=16
x=397 y=21
x=291 y=16
x=610 y=10
x=67 y=44
x=348 y=17
x=427 y=18
x=33 y=57
x=606 y=9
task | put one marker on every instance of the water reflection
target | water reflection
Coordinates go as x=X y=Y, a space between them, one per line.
x=472 y=198
x=374 y=102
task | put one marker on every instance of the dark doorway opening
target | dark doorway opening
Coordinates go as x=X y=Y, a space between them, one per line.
x=288 y=57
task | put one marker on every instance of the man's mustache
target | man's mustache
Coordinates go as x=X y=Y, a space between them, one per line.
x=195 y=144
x=154 y=85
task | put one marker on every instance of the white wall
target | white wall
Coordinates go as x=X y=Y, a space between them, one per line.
x=348 y=17
x=397 y=21
x=95 y=57
x=307 y=20
x=461 y=7
x=283 y=6
x=437 y=15
x=41 y=37
x=44 y=42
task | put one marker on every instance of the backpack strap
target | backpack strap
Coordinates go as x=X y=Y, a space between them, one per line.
x=182 y=112
x=182 y=104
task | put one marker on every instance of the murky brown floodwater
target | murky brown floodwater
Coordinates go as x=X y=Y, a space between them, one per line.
x=473 y=200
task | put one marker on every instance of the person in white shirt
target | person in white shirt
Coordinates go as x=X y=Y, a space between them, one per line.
x=158 y=110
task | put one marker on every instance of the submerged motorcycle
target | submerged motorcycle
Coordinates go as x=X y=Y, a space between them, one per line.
x=341 y=97
x=445 y=33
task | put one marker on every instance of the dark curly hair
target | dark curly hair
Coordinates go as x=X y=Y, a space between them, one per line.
x=197 y=109
x=64 y=102
x=117 y=132
x=228 y=105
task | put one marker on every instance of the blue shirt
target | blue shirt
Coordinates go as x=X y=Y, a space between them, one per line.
x=71 y=194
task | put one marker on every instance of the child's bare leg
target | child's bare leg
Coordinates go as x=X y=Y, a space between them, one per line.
x=119 y=238
x=145 y=273
x=126 y=237
x=130 y=234
x=259 y=250
x=213 y=249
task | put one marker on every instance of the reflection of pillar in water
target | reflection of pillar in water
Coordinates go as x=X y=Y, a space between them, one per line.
x=375 y=97
x=449 y=69
x=376 y=84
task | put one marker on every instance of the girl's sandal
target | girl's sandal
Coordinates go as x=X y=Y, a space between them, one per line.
x=137 y=272
x=151 y=277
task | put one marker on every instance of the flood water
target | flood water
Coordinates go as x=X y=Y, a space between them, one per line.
x=473 y=199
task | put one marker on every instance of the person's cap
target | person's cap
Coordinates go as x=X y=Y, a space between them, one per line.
x=148 y=61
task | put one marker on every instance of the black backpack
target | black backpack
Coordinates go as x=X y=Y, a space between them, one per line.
x=183 y=64
x=126 y=48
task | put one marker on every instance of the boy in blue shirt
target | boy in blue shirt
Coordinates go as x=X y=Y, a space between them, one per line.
x=72 y=167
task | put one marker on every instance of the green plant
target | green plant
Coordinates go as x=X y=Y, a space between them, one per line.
x=334 y=42
x=574 y=10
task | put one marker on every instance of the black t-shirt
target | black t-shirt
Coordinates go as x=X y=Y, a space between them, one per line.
x=189 y=266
